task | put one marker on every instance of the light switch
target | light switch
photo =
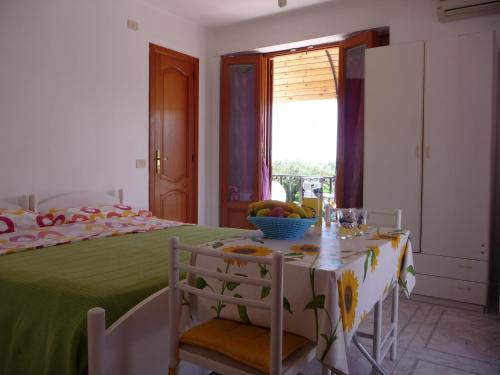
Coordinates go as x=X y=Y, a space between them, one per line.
x=132 y=25
x=140 y=163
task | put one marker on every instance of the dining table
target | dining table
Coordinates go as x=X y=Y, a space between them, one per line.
x=332 y=280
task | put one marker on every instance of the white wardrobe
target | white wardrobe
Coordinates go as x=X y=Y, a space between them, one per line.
x=430 y=121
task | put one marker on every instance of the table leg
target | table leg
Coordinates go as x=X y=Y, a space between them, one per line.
x=377 y=335
x=377 y=367
x=394 y=321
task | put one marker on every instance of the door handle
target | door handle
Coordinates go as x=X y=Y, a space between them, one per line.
x=158 y=161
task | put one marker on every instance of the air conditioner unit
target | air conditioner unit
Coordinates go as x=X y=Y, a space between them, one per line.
x=449 y=10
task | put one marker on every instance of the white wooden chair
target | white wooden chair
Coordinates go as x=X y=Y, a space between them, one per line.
x=182 y=349
x=381 y=345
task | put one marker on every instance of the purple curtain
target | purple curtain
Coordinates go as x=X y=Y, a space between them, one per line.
x=353 y=130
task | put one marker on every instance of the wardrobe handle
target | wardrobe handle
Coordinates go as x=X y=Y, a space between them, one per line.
x=417 y=152
x=427 y=152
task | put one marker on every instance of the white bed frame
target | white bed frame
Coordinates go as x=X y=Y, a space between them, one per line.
x=78 y=199
x=22 y=202
x=137 y=343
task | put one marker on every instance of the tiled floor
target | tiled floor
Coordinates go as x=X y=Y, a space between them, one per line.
x=435 y=339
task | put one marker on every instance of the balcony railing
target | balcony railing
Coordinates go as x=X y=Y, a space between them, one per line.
x=292 y=184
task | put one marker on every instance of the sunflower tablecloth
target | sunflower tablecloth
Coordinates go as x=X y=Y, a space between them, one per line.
x=330 y=284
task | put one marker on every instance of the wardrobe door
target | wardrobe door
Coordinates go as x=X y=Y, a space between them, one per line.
x=458 y=150
x=393 y=132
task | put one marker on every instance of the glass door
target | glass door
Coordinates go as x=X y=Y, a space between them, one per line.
x=243 y=132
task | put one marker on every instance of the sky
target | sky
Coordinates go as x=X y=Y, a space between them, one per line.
x=305 y=130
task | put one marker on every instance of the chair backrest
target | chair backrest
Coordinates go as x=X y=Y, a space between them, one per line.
x=275 y=305
x=390 y=219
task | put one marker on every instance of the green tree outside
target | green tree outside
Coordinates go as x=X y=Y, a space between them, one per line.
x=299 y=168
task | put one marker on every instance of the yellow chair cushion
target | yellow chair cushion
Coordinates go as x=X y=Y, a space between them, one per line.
x=244 y=343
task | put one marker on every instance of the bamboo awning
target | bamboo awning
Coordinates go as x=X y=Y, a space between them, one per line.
x=305 y=76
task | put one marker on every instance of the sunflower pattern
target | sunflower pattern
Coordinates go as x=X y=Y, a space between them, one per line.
x=245 y=250
x=402 y=253
x=306 y=249
x=328 y=293
x=225 y=287
x=393 y=237
x=348 y=298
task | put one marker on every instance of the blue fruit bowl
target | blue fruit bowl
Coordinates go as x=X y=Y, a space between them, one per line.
x=282 y=228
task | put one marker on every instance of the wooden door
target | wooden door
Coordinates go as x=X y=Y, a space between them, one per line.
x=349 y=165
x=243 y=133
x=458 y=146
x=394 y=94
x=173 y=129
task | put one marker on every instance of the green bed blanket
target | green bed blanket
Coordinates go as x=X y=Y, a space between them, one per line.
x=45 y=294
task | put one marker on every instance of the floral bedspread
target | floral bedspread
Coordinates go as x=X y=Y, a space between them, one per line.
x=52 y=235
x=330 y=284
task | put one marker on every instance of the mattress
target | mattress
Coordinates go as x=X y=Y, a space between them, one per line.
x=45 y=294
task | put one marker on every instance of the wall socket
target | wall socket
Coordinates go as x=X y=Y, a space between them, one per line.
x=132 y=25
x=140 y=163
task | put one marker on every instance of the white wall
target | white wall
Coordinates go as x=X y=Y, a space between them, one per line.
x=74 y=94
x=74 y=83
x=407 y=21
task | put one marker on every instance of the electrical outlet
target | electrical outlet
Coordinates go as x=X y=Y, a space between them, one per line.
x=140 y=163
x=132 y=25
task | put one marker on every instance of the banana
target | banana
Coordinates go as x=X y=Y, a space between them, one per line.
x=308 y=211
x=287 y=206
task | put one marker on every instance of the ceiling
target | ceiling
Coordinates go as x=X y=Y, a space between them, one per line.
x=305 y=75
x=215 y=13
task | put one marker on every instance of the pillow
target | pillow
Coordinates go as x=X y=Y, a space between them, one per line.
x=16 y=220
x=58 y=216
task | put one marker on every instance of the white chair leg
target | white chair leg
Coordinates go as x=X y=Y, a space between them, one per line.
x=394 y=321
x=377 y=335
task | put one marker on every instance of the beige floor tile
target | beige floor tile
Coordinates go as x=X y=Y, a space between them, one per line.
x=469 y=335
x=424 y=367
x=462 y=333
x=433 y=339
x=435 y=362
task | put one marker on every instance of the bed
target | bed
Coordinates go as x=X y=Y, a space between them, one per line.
x=117 y=281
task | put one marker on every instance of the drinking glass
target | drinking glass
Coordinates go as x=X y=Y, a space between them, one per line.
x=347 y=218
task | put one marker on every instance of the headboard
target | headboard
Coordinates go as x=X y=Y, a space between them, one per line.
x=21 y=202
x=77 y=199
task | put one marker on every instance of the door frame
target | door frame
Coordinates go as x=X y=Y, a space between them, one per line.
x=152 y=67
x=269 y=100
